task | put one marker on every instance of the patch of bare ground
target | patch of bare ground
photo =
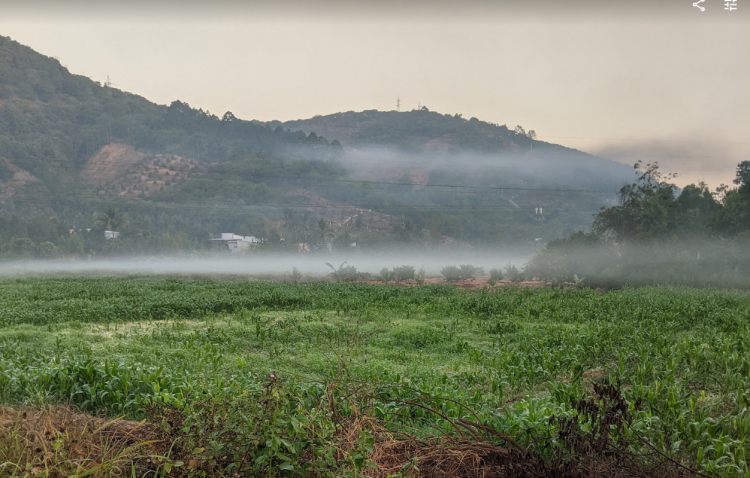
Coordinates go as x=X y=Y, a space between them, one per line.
x=477 y=283
x=58 y=442
x=119 y=169
x=13 y=186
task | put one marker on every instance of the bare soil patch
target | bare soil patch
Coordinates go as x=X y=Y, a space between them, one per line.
x=119 y=169
x=477 y=283
x=13 y=186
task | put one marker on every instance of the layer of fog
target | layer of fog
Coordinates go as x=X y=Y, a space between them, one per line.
x=547 y=166
x=275 y=265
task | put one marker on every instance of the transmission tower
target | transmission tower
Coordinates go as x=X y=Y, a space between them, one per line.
x=108 y=83
x=398 y=103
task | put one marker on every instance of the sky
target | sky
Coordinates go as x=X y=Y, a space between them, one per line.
x=640 y=79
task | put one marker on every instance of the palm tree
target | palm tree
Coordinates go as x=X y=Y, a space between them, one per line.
x=304 y=224
x=110 y=219
x=289 y=224
x=323 y=231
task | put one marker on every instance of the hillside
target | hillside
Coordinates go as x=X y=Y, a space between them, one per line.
x=413 y=131
x=70 y=146
x=398 y=143
x=53 y=122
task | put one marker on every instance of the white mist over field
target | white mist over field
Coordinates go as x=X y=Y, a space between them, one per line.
x=262 y=265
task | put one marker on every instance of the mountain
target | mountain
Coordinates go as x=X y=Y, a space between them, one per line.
x=70 y=146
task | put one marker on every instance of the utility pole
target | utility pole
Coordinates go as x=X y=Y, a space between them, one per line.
x=398 y=103
x=108 y=85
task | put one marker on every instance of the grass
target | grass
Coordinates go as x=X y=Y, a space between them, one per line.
x=515 y=357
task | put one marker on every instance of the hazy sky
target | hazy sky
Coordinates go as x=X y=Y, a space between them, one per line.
x=638 y=79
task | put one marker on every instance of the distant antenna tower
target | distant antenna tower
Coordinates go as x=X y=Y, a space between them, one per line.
x=108 y=83
x=398 y=103
x=419 y=106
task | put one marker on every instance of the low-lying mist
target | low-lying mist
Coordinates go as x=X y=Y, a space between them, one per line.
x=692 y=262
x=271 y=265
x=545 y=167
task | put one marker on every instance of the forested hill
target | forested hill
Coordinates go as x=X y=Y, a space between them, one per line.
x=52 y=122
x=423 y=130
x=71 y=147
x=496 y=154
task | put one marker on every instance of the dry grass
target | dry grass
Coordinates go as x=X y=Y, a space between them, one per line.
x=58 y=442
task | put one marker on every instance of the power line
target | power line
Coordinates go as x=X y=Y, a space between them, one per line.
x=358 y=182
x=233 y=203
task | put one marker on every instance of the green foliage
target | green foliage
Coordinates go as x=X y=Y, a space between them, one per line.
x=743 y=173
x=403 y=273
x=346 y=273
x=451 y=273
x=386 y=275
x=263 y=431
x=649 y=209
x=53 y=122
x=464 y=272
x=201 y=352
x=644 y=209
x=39 y=237
x=110 y=219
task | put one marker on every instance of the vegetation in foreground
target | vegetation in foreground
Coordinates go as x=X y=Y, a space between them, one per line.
x=256 y=378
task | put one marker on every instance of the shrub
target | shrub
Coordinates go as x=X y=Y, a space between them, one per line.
x=512 y=272
x=496 y=274
x=420 y=276
x=262 y=433
x=295 y=276
x=468 y=271
x=403 y=273
x=346 y=273
x=385 y=275
x=451 y=273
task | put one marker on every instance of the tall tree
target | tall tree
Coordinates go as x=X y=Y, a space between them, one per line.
x=646 y=207
x=323 y=231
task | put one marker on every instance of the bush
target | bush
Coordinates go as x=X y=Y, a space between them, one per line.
x=496 y=274
x=464 y=272
x=468 y=271
x=451 y=273
x=385 y=275
x=403 y=273
x=250 y=433
x=346 y=273
x=420 y=276
x=513 y=273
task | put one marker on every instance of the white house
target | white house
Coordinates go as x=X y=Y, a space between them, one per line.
x=238 y=244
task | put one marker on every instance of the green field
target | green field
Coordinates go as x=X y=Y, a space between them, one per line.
x=513 y=357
